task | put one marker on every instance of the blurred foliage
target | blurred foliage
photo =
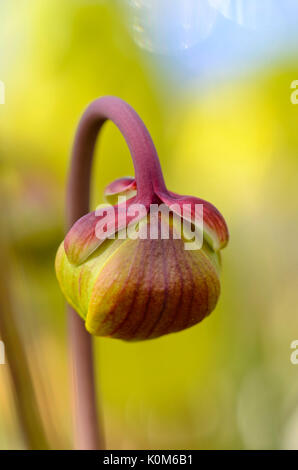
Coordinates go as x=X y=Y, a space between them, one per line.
x=229 y=382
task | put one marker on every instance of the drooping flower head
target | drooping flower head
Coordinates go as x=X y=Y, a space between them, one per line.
x=130 y=270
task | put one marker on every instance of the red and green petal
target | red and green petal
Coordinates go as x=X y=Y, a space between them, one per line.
x=125 y=186
x=150 y=288
x=214 y=226
x=91 y=230
x=77 y=281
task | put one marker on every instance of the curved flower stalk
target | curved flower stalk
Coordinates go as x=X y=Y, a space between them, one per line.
x=141 y=286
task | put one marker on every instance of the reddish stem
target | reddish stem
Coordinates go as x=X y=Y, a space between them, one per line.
x=149 y=177
x=88 y=432
x=146 y=163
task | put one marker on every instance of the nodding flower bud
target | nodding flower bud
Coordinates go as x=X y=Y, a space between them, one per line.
x=131 y=270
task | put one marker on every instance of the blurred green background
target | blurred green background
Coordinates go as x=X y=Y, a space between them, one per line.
x=228 y=382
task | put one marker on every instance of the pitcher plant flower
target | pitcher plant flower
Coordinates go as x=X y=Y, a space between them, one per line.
x=142 y=286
